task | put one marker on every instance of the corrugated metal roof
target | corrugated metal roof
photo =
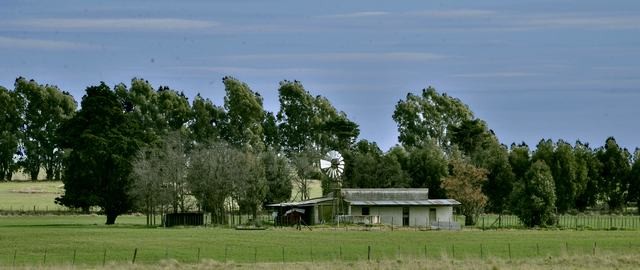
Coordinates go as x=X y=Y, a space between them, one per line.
x=442 y=202
x=385 y=194
x=301 y=203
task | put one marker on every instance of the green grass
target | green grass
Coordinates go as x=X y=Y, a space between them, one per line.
x=27 y=195
x=59 y=236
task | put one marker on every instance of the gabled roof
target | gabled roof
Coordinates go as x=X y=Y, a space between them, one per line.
x=302 y=203
x=385 y=194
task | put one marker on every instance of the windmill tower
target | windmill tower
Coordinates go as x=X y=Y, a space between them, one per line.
x=333 y=165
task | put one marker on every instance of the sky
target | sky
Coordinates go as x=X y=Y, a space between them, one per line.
x=531 y=69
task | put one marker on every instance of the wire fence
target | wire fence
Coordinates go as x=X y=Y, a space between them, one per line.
x=225 y=252
x=576 y=222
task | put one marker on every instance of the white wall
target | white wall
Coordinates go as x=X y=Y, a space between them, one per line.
x=418 y=215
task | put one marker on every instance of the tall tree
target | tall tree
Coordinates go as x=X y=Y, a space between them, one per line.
x=429 y=116
x=534 y=199
x=307 y=121
x=588 y=173
x=279 y=176
x=564 y=171
x=174 y=108
x=142 y=106
x=464 y=184
x=615 y=170
x=251 y=185
x=10 y=133
x=46 y=107
x=103 y=143
x=634 y=179
x=207 y=120
x=520 y=160
x=245 y=115
x=427 y=166
x=367 y=167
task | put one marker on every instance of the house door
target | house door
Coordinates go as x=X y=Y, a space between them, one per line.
x=405 y=216
x=432 y=215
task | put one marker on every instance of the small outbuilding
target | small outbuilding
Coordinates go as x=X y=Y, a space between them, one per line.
x=390 y=206
x=399 y=207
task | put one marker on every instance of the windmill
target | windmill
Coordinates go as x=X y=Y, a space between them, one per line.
x=333 y=165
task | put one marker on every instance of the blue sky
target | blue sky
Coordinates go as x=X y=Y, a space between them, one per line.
x=531 y=69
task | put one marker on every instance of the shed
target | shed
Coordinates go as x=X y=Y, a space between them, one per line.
x=312 y=211
x=399 y=206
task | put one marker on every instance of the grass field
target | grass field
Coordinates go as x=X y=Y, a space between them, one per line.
x=27 y=195
x=53 y=240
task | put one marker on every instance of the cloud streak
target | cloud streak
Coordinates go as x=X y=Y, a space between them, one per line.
x=120 y=24
x=488 y=75
x=41 y=44
x=348 y=56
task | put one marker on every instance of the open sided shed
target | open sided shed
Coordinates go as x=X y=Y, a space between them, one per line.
x=312 y=211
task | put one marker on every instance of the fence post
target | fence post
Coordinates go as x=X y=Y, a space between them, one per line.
x=44 y=260
x=225 y=253
x=135 y=254
x=104 y=256
x=391 y=223
x=73 y=262
x=538 y=249
x=198 y=257
x=453 y=251
x=15 y=253
x=282 y=254
x=255 y=254
x=509 y=246
x=368 y=253
x=341 y=253
x=481 y=253
x=594 y=248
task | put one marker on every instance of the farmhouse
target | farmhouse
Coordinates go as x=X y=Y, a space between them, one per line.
x=389 y=206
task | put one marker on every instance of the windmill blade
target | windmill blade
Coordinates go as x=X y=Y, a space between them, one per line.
x=325 y=164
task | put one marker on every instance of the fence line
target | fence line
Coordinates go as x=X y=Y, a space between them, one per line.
x=576 y=222
x=284 y=254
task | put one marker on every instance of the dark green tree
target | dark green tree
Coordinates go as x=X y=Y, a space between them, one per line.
x=429 y=116
x=427 y=166
x=534 y=199
x=564 y=171
x=520 y=160
x=245 y=115
x=207 y=120
x=10 y=131
x=588 y=173
x=103 y=143
x=367 y=167
x=279 y=176
x=634 y=179
x=613 y=184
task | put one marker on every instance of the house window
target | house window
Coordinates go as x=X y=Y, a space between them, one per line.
x=365 y=211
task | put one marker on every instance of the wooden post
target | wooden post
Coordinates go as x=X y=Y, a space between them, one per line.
x=341 y=253
x=368 y=253
x=135 y=254
x=44 y=260
x=104 y=256
x=15 y=253
x=73 y=261
x=225 y=253
x=255 y=255
x=481 y=252
x=509 y=246
x=594 y=248
x=453 y=251
x=198 y=257
x=282 y=254
x=538 y=249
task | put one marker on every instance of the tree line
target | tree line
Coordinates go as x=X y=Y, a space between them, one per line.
x=140 y=148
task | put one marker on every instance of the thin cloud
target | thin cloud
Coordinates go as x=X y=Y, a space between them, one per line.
x=495 y=75
x=361 y=14
x=350 y=56
x=454 y=14
x=41 y=44
x=583 y=21
x=121 y=24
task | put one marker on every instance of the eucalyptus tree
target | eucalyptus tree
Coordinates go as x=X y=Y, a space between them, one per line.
x=429 y=116
x=279 y=175
x=613 y=184
x=10 y=131
x=45 y=108
x=207 y=120
x=427 y=165
x=464 y=183
x=588 y=174
x=244 y=115
x=534 y=199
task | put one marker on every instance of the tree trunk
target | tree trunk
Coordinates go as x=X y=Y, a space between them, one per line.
x=111 y=219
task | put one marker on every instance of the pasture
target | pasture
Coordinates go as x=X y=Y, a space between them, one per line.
x=82 y=240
